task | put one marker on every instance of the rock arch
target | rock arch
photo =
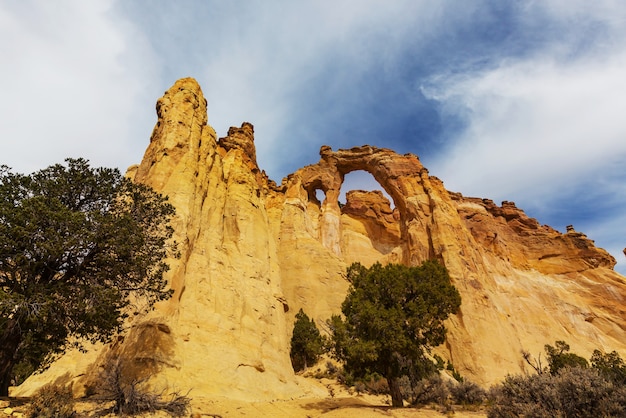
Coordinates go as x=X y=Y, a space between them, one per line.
x=403 y=177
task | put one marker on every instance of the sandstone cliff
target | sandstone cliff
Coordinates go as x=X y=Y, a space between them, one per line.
x=254 y=253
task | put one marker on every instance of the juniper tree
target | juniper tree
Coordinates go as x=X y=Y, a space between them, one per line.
x=75 y=243
x=307 y=344
x=392 y=316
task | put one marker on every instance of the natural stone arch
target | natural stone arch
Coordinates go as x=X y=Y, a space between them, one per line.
x=402 y=176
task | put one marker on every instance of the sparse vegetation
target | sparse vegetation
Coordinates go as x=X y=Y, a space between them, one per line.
x=429 y=390
x=566 y=388
x=467 y=393
x=132 y=395
x=571 y=392
x=610 y=365
x=392 y=316
x=559 y=357
x=52 y=401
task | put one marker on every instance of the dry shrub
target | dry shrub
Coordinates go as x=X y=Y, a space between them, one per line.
x=431 y=390
x=132 y=395
x=572 y=392
x=52 y=401
x=467 y=393
x=377 y=386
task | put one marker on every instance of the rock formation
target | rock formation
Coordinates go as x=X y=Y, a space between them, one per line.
x=254 y=253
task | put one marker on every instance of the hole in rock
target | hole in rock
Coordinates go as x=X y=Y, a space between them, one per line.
x=361 y=180
x=320 y=195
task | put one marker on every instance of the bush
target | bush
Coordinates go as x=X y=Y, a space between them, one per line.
x=307 y=344
x=571 y=392
x=371 y=383
x=431 y=390
x=52 y=401
x=467 y=393
x=132 y=395
x=559 y=357
x=610 y=365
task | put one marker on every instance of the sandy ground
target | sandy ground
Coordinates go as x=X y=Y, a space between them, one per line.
x=353 y=407
x=338 y=407
x=342 y=404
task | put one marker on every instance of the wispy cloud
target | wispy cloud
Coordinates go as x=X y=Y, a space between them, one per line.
x=531 y=121
x=547 y=128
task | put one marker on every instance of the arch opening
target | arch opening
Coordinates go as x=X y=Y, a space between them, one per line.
x=370 y=222
x=361 y=180
x=320 y=196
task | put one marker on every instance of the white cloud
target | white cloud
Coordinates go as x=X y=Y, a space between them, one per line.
x=71 y=81
x=547 y=129
x=534 y=127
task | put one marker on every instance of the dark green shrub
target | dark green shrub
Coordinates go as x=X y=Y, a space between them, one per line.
x=610 y=365
x=307 y=344
x=560 y=357
x=52 y=401
x=439 y=362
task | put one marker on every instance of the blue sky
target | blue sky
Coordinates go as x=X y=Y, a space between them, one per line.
x=508 y=100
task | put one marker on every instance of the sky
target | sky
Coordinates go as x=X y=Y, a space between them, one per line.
x=520 y=100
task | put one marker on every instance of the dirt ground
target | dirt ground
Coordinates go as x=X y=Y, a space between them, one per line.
x=338 y=403
x=337 y=407
x=352 y=407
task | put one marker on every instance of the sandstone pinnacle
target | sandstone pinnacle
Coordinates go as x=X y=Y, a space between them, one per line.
x=254 y=253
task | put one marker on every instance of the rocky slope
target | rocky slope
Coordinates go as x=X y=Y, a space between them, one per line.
x=254 y=253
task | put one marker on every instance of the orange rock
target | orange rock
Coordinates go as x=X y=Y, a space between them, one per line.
x=254 y=253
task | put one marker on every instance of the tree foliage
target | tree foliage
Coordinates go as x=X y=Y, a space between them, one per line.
x=307 y=344
x=560 y=357
x=393 y=315
x=75 y=243
x=610 y=365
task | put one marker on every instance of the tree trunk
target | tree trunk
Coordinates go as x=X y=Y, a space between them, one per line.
x=395 y=392
x=10 y=340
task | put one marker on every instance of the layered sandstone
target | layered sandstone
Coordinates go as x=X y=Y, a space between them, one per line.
x=253 y=253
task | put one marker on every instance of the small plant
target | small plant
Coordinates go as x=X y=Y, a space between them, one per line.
x=431 y=390
x=560 y=357
x=467 y=393
x=439 y=362
x=52 y=401
x=610 y=365
x=457 y=376
x=132 y=395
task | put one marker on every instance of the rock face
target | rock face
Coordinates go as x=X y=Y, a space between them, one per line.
x=254 y=253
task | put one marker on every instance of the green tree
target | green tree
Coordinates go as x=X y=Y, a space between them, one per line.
x=75 y=243
x=393 y=316
x=307 y=344
x=560 y=357
x=610 y=365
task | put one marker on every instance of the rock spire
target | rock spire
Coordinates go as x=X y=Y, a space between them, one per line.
x=253 y=253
